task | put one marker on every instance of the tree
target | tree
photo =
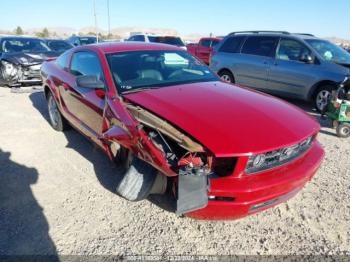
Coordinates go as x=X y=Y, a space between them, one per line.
x=44 y=33
x=19 y=30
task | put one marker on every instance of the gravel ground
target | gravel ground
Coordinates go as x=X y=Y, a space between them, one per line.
x=56 y=198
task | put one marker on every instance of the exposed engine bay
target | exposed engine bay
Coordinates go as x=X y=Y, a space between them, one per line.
x=184 y=156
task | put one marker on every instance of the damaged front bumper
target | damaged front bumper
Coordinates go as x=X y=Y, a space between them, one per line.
x=232 y=197
x=13 y=75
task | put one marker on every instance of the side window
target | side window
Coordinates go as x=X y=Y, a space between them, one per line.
x=232 y=44
x=76 y=41
x=62 y=60
x=260 y=45
x=291 y=50
x=131 y=38
x=214 y=43
x=139 y=38
x=205 y=43
x=1 y=48
x=86 y=63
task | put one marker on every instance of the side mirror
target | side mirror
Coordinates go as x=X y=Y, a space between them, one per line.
x=306 y=59
x=90 y=82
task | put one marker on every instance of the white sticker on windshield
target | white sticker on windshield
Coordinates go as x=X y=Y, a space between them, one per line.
x=174 y=59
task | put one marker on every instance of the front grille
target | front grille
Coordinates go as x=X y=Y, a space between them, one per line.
x=279 y=157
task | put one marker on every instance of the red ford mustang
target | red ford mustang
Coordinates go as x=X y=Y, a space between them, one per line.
x=221 y=151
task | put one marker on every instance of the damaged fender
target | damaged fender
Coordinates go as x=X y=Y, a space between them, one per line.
x=157 y=143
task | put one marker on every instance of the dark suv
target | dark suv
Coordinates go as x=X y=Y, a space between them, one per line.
x=290 y=65
x=82 y=40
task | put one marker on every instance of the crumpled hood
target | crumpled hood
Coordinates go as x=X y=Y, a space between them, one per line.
x=33 y=58
x=228 y=120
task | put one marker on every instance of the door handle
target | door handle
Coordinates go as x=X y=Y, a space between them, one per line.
x=265 y=62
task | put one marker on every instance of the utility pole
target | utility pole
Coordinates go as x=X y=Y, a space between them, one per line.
x=109 y=20
x=96 y=30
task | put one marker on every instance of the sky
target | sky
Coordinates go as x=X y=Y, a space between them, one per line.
x=320 y=17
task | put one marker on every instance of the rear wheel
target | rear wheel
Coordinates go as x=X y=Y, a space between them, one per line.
x=343 y=130
x=57 y=121
x=322 y=97
x=226 y=76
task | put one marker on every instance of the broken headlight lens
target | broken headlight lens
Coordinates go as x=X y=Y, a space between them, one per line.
x=9 y=69
x=276 y=158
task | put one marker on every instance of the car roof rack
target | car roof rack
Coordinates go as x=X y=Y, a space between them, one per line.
x=307 y=34
x=260 y=32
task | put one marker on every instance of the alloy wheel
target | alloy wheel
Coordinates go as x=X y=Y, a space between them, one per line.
x=322 y=99
x=226 y=78
x=53 y=111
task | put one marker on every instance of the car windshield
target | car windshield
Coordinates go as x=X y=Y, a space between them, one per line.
x=137 y=70
x=329 y=51
x=11 y=45
x=170 y=40
x=87 y=40
x=58 y=45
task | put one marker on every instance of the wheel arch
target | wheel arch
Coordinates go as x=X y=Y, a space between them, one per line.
x=313 y=90
x=46 y=90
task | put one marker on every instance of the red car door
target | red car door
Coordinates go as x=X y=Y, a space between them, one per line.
x=84 y=105
x=204 y=49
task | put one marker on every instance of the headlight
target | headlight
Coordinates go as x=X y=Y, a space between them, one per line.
x=9 y=69
x=276 y=158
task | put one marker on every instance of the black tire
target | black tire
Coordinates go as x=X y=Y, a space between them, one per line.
x=57 y=121
x=122 y=158
x=343 y=130
x=227 y=76
x=322 y=97
x=137 y=183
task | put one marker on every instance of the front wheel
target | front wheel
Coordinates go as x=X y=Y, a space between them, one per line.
x=322 y=98
x=141 y=180
x=227 y=77
x=343 y=130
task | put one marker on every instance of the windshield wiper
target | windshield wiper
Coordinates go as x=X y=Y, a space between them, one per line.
x=139 y=89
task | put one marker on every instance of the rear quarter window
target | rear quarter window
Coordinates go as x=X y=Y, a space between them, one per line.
x=260 y=45
x=232 y=44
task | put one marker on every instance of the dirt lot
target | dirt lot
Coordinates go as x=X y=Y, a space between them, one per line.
x=56 y=197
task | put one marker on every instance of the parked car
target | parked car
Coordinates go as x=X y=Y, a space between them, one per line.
x=82 y=40
x=58 y=45
x=203 y=50
x=149 y=38
x=291 y=65
x=21 y=59
x=221 y=151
